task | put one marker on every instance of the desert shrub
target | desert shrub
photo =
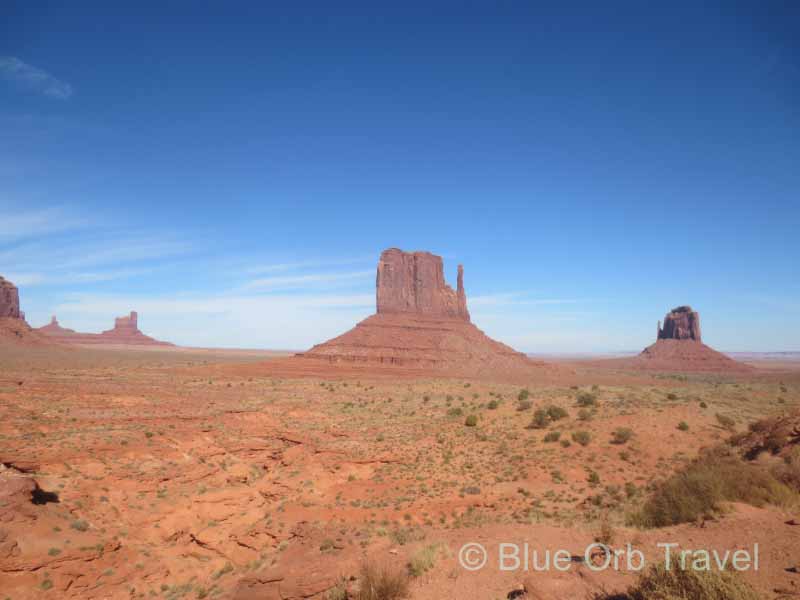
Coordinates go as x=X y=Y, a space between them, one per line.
x=540 y=420
x=672 y=396
x=565 y=443
x=524 y=405
x=423 y=560
x=660 y=583
x=556 y=412
x=683 y=426
x=493 y=404
x=586 y=399
x=584 y=415
x=471 y=421
x=788 y=473
x=582 y=437
x=703 y=405
x=455 y=412
x=79 y=525
x=524 y=394
x=381 y=583
x=716 y=476
x=622 y=435
x=630 y=489
x=593 y=478
x=552 y=436
x=337 y=592
x=726 y=422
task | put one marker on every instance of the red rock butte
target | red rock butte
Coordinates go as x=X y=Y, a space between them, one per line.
x=420 y=322
x=679 y=347
x=9 y=300
x=125 y=332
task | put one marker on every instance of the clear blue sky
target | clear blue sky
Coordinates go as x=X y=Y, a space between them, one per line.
x=232 y=170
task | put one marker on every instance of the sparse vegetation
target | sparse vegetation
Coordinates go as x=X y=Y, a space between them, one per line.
x=582 y=437
x=381 y=583
x=621 y=435
x=726 y=422
x=698 y=490
x=660 y=583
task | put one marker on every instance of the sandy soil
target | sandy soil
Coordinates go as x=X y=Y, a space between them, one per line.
x=230 y=474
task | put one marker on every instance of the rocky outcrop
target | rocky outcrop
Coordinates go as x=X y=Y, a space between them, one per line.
x=9 y=300
x=125 y=332
x=413 y=282
x=681 y=323
x=421 y=322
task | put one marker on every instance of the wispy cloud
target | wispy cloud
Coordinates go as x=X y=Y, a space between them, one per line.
x=17 y=226
x=520 y=299
x=33 y=78
x=312 y=278
x=307 y=264
x=36 y=279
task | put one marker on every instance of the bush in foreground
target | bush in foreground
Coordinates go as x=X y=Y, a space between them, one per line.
x=381 y=583
x=698 y=490
x=676 y=584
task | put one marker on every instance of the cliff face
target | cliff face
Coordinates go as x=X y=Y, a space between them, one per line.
x=9 y=300
x=681 y=323
x=413 y=282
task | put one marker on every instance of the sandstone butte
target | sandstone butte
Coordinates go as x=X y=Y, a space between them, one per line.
x=125 y=332
x=679 y=347
x=13 y=326
x=421 y=322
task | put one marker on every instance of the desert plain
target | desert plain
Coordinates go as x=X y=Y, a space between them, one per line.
x=177 y=474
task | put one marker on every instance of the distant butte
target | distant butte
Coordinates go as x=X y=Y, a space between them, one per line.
x=679 y=347
x=420 y=322
x=125 y=332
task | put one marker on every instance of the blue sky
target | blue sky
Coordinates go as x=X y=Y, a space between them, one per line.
x=233 y=170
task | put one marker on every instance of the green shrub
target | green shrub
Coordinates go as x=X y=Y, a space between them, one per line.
x=660 y=583
x=556 y=412
x=540 y=420
x=80 y=525
x=455 y=412
x=586 y=399
x=523 y=395
x=552 y=436
x=621 y=435
x=582 y=437
x=493 y=404
x=683 y=426
x=698 y=490
x=471 y=421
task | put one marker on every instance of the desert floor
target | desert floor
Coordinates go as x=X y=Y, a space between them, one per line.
x=193 y=474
